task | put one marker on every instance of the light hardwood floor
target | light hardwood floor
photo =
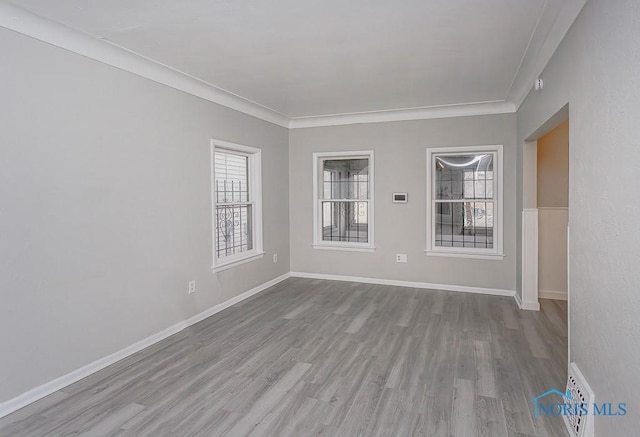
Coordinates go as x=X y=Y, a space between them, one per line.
x=311 y=357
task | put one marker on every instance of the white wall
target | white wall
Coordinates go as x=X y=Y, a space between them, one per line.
x=596 y=70
x=400 y=166
x=105 y=209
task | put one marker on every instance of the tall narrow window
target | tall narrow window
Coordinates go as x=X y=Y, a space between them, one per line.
x=464 y=205
x=343 y=200
x=237 y=212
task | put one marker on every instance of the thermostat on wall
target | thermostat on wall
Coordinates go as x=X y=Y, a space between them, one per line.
x=400 y=198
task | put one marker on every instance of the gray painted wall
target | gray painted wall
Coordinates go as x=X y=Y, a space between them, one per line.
x=105 y=209
x=400 y=159
x=596 y=70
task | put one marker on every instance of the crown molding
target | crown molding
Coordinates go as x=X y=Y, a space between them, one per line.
x=423 y=113
x=27 y=23
x=553 y=24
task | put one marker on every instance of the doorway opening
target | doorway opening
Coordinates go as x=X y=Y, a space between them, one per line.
x=546 y=278
x=545 y=215
x=553 y=212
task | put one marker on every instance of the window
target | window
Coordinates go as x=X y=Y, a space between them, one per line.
x=464 y=201
x=343 y=200
x=237 y=196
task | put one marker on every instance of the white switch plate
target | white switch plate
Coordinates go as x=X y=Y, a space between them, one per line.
x=401 y=257
x=275 y=257
x=192 y=287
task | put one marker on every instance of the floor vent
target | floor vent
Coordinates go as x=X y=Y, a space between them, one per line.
x=579 y=425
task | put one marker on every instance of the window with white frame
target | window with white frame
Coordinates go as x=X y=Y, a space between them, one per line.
x=237 y=210
x=464 y=201
x=343 y=200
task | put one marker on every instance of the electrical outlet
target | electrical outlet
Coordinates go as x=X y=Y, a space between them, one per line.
x=192 y=287
x=275 y=257
x=401 y=257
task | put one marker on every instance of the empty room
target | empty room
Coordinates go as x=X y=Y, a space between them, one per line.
x=319 y=217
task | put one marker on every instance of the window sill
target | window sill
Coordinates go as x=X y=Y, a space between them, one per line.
x=236 y=262
x=368 y=249
x=488 y=256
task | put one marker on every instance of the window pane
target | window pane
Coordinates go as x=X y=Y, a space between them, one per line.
x=345 y=179
x=468 y=176
x=464 y=224
x=231 y=183
x=233 y=230
x=345 y=221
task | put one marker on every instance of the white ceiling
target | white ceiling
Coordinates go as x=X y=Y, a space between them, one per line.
x=321 y=57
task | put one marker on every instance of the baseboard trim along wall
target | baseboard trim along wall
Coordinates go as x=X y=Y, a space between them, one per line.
x=445 y=287
x=549 y=294
x=40 y=392
x=529 y=306
x=46 y=389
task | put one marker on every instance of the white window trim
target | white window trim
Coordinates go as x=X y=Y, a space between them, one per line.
x=318 y=243
x=497 y=253
x=255 y=196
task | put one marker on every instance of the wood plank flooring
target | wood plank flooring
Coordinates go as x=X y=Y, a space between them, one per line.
x=310 y=357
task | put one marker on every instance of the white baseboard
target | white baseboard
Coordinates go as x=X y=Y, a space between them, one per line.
x=446 y=287
x=518 y=300
x=556 y=295
x=529 y=306
x=234 y=300
x=40 y=392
